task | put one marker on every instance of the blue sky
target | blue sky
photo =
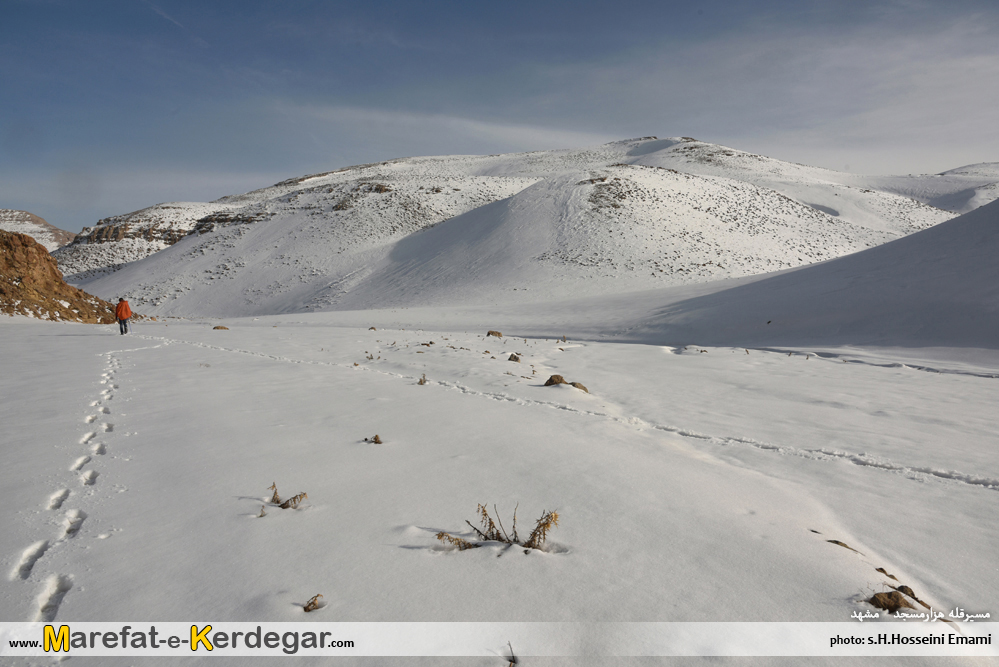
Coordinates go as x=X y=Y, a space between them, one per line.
x=107 y=107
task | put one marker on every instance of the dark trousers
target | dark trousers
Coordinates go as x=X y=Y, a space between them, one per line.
x=123 y=326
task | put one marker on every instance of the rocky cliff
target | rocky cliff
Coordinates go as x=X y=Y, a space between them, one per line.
x=31 y=285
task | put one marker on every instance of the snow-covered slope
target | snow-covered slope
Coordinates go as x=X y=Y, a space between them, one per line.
x=22 y=222
x=616 y=216
x=937 y=287
x=611 y=230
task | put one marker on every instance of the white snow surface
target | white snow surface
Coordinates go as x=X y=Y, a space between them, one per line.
x=694 y=483
x=702 y=478
x=734 y=433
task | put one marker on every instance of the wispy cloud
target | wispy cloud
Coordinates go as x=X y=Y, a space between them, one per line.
x=175 y=22
x=446 y=133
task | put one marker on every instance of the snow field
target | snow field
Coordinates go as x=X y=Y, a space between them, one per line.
x=688 y=482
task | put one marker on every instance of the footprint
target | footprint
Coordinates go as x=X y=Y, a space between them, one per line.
x=99 y=449
x=79 y=463
x=74 y=521
x=106 y=410
x=88 y=437
x=90 y=419
x=28 y=560
x=58 y=498
x=56 y=588
x=89 y=478
x=94 y=404
x=108 y=428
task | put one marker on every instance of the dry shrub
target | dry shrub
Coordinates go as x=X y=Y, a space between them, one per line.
x=313 y=604
x=275 y=499
x=538 y=536
x=493 y=531
x=422 y=380
x=293 y=502
x=455 y=541
x=376 y=439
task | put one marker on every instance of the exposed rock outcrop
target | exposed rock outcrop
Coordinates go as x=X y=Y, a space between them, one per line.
x=32 y=285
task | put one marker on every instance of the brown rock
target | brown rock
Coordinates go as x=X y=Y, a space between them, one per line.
x=494 y=333
x=31 y=283
x=221 y=327
x=579 y=385
x=555 y=379
x=891 y=602
x=514 y=357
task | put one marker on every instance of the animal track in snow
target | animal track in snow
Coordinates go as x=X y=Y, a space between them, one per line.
x=108 y=428
x=58 y=498
x=99 y=449
x=88 y=437
x=74 y=521
x=89 y=478
x=28 y=560
x=90 y=419
x=79 y=463
x=106 y=410
x=48 y=602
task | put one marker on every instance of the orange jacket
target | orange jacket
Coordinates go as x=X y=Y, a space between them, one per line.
x=122 y=311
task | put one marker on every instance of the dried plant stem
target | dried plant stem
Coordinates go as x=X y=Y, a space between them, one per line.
x=294 y=501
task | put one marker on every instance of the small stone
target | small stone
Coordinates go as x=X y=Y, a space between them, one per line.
x=890 y=602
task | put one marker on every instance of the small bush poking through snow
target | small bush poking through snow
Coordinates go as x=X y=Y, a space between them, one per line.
x=422 y=380
x=275 y=499
x=313 y=604
x=490 y=532
x=294 y=501
x=376 y=440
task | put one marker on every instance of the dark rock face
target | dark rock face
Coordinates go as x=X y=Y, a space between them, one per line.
x=32 y=285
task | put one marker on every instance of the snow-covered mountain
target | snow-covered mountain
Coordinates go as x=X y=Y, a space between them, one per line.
x=636 y=214
x=22 y=222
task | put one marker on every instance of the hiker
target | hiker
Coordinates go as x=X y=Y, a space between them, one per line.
x=122 y=312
